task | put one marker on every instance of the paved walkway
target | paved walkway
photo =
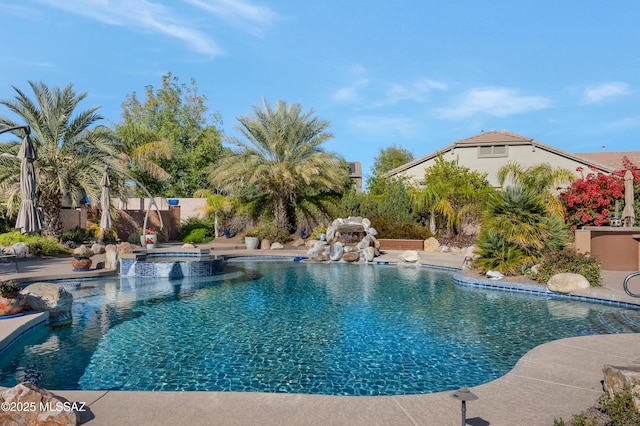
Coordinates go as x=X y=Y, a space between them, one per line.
x=554 y=380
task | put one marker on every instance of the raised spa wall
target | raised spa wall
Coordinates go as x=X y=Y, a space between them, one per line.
x=616 y=248
x=170 y=263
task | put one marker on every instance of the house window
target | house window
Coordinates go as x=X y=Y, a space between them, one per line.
x=492 y=151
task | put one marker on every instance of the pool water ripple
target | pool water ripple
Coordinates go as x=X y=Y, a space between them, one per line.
x=301 y=328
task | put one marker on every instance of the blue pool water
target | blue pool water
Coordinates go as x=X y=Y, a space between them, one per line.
x=338 y=329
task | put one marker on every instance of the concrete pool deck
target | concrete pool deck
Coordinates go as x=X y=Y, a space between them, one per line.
x=557 y=379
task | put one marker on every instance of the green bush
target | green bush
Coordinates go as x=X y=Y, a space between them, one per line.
x=388 y=227
x=194 y=223
x=618 y=410
x=271 y=233
x=134 y=237
x=77 y=235
x=197 y=235
x=42 y=246
x=12 y=237
x=568 y=260
x=317 y=231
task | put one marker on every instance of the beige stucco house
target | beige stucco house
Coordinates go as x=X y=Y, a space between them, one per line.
x=488 y=151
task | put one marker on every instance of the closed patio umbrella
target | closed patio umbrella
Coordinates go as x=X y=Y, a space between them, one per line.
x=628 y=214
x=29 y=217
x=105 y=202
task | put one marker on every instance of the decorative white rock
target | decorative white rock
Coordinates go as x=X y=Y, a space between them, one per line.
x=409 y=256
x=566 y=282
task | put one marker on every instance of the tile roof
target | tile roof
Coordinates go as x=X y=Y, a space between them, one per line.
x=493 y=136
x=611 y=159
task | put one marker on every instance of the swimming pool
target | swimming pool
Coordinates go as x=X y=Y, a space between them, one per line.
x=338 y=329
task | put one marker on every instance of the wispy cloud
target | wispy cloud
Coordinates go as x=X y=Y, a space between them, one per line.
x=171 y=21
x=251 y=18
x=493 y=101
x=374 y=93
x=595 y=94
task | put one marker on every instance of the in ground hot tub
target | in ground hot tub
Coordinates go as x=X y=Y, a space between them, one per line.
x=171 y=263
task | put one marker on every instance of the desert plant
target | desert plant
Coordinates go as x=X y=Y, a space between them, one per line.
x=568 y=260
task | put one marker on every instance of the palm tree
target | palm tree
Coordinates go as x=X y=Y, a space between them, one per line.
x=516 y=230
x=542 y=179
x=450 y=195
x=71 y=156
x=280 y=154
x=216 y=203
x=138 y=151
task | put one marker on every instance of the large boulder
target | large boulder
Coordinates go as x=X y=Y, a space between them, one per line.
x=331 y=234
x=409 y=256
x=365 y=242
x=265 y=244
x=336 y=251
x=49 y=297
x=369 y=253
x=20 y=249
x=352 y=256
x=39 y=407
x=124 y=248
x=299 y=242
x=566 y=282
x=431 y=244
x=111 y=257
x=97 y=248
x=620 y=379
x=318 y=251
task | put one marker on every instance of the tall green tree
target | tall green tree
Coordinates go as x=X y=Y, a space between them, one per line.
x=543 y=179
x=451 y=195
x=387 y=159
x=72 y=149
x=176 y=118
x=280 y=154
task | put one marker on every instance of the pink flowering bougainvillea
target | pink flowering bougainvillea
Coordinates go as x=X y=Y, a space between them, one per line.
x=591 y=200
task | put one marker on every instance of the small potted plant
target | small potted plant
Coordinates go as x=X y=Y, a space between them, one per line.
x=10 y=301
x=150 y=242
x=251 y=240
x=81 y=259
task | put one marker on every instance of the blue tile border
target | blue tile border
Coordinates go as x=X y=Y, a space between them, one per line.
x=14 y=339
x=533 y=289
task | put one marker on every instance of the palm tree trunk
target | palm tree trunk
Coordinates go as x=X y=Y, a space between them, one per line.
x=51 y=207
x=280 y=212
x=215 y=224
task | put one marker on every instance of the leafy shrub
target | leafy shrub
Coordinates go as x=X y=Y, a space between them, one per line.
x=388 y=227
x=42 y=246
x=270 y=232
x=498 y=254
x=197 y=235
x=317 y=231
x=77 y=235
x=12 y=237
x=618 y=410
x=568 y=260
x=194 y=223
x=134 y=237
x=38 y=245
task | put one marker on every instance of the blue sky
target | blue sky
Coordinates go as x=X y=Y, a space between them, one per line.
x=416 y=74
